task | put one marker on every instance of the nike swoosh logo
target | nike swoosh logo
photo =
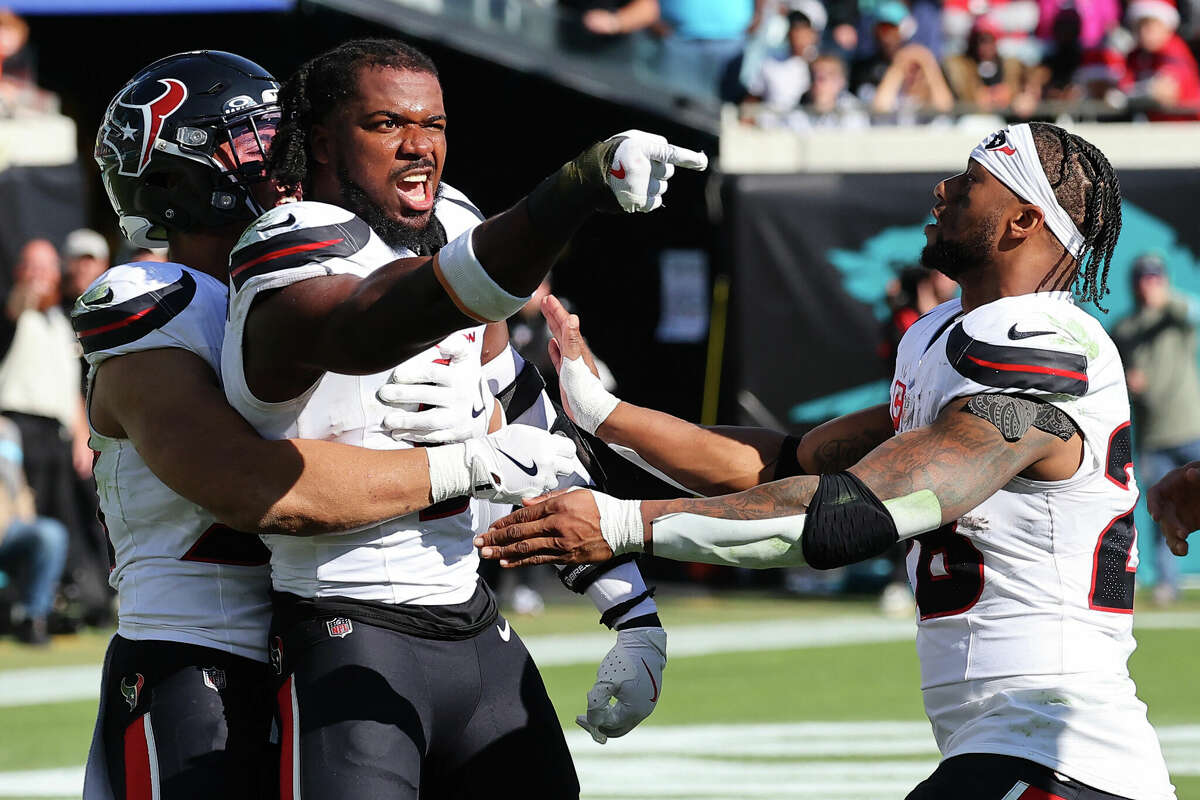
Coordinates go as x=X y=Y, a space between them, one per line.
x=1015 y=334
x=530 y=470
x=475 y=413
x=506 y=632
x=652 y=682
x=618 y=172
x=291 y=220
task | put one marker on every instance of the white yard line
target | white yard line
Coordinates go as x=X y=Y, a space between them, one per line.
x=27 y=687
x=707 y=762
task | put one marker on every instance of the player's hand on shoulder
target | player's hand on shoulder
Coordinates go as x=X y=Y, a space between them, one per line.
x=438 y=400
x=628 y=683
x=518 y=462
x=640 y=166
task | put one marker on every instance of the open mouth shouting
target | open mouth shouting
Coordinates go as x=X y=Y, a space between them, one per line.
x=415 y=190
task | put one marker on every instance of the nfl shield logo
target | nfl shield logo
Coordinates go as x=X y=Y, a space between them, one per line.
x=339 y=627
x=214 y=678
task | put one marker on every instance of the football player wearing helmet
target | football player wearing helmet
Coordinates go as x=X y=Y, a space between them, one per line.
x=184 y=482
x=400 y=677
x=1009 y=476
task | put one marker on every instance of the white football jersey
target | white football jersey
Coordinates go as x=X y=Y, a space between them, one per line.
x=180 y=575
x=1026 y=603
x=425 y=558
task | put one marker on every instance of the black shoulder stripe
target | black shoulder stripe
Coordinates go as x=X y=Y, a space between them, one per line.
x=297 y=248
x=129 y=321
x=468 y=206
x=1016 y=367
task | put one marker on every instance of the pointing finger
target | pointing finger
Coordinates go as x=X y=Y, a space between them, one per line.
x=688 y=159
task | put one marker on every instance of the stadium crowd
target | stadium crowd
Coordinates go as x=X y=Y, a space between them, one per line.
x=849 y=63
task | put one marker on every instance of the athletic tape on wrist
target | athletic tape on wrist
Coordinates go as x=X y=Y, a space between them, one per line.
x=470 y=286
x=590 y=402
x=620 y=523
x=449 y=475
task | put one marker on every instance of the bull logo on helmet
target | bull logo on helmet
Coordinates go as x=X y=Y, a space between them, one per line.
x=131 y=130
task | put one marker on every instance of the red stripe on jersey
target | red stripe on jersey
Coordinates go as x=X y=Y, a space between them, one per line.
x=1062 y=373
x=138 y=783
x=287 y=724
x=1034 y=793
x=287 y=251
x=121 y=323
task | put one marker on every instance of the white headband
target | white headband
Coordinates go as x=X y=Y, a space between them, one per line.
x=1011 y=156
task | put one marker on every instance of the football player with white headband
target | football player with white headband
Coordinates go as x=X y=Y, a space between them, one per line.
x=1003 y=461
x=399 y=675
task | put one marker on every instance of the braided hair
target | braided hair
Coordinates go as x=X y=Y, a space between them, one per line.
x=316 y=90
x=1088 y=190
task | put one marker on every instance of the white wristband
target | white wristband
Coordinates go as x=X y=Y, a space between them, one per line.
x=449 y=475
x=621 y=583
x=590 y=402
x=620 y=523
x=469 y=284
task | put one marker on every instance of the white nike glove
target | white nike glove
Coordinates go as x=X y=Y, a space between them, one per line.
x=641 y=166
x=438 y=401
x=515 y=462
x=628 y=684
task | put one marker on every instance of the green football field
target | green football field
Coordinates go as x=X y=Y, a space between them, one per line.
x=763 y=697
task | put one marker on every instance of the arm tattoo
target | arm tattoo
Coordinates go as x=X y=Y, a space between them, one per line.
x=835 y=455
x=1014 y=415
x=776 y=499
x=960 y=459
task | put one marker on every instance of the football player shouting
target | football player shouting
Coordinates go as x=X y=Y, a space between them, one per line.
x=186 y=700
x=400 y=676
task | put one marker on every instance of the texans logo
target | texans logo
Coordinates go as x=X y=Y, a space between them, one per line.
x=999 y=141
x=131 y=130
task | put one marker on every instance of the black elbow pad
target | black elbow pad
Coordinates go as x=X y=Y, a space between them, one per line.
x=845 y=523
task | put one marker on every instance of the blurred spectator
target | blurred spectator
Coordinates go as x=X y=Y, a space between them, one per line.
x=770 y=38
x=1096 y=18
x=829 y=103
x=599 y=25
x=914 y=293
x=1158 y=347
x=86 y=254
x=899 y=77
x=781 y=81
x=702 y=40
x=30 y=546
x=1057 y=76
x=39 y=391
x=16 y=57
x=1015 y=20
x=982 y=77
x=1161 y=68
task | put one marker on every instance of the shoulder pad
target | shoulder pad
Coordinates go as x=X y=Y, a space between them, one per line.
x=294 y=235
x=452 y=199
x=1026 y=345
x=129 y=301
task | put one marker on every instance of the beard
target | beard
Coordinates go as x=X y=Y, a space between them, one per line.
x=423 y=238
x=957 y=258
